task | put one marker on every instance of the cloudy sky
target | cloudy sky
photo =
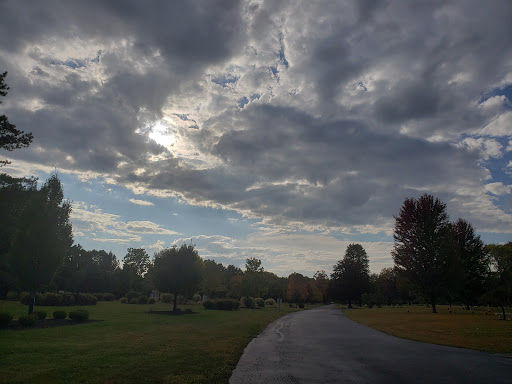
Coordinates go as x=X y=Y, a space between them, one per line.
x=282 y=130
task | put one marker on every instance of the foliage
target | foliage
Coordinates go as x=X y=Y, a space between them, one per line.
x=322 y=283
x=249 y=302
x=196 y=298
x=351 y=275
x=151 y=300
x=133 y=300
x=108 y=296
x=178 y=270
x=270 y=302
x=42 y=238
x=423 y=250
x=222 y=304
x=143 y=299
x=12 y=296
x=25 y=298
x=132 y=295
x=297 y=289
x=259 y=302
x=10 y=137
x=301 y=305
x=68 y=299
x=214 y=282
x=41 y=315
x=5 y=319
x=52 y=299
x=79 y=315
x=123 y=300
x=500 y=278
x=59 y=315
x=27 y=320
x=166 y=297
x=85 y=299
x=314 y=294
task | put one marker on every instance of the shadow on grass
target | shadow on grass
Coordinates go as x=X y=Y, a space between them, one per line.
x=47 y=323
x=173 y=313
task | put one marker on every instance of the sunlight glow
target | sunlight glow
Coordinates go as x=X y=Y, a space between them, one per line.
x=160 y=134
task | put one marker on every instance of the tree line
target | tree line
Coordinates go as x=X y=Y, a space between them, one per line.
x=435 y=261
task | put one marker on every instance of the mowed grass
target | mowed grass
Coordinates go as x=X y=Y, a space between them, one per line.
x=131 y=345
x=466 y=329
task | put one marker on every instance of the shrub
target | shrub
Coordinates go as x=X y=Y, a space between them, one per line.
x=98 y=296
x=270 y=302
x=12 y=296
x=68 y=299
x=108 y=296
x=41 y=315
x=259 y=302
x=134 y=301
x=197 y=298
x=85 y=299
x=222 y=304
x=301 y=305
x=132 y=295
x=188 y=310
x=52 y=299
x=209 y=304
x=151 y=300
x=249 y=302
x=292 y=305
x=143 y=299
x=27 y=320
x=79 y=315
x=5 y=319
x=59 y=314
x=123 y=300
x=166 y=297
x=25 y=298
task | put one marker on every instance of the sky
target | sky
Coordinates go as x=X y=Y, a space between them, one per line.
x=281 y=130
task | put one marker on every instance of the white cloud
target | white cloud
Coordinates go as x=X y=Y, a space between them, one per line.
x=141 y=202
x=498 y=188
x=501 y=126
x=487 y=147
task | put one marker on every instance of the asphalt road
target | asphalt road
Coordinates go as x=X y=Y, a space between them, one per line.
x=323 y=346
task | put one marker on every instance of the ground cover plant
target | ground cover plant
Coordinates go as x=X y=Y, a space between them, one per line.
x=131 y=346
x=453 y=326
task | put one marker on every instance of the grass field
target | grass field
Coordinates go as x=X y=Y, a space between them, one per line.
x=131 y=345
x=466 y=329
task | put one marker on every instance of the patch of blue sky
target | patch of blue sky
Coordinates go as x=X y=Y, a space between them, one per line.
x=282 y=57
x=255 y=96
x=97 y=58
x=494 y=238
x=274 y=70
x=182 y=116
x=504 y=91
x=225 y=79
x=243 y=102
x=71 y=63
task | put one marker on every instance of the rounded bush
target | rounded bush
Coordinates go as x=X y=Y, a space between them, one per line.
x=151 y=300
x=5 y=319
x=41 y=315
x=98 y=296
x=52 y=299
x=79 y=315
x=166 y=297
x=301 y=305
x=27 y=320
x=270 y=302
x=25 y=298
x=249 y=302
x=108 y=296
x=143 y=299
x=12 y=296
x=134 y=301
x=59 y=315
x=123 y=300
x=85 y=299
x=197 y=298
x=68 y=299
x=259 y=302
x=132 y=295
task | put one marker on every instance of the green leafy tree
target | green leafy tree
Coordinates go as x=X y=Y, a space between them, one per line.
x=322 y=283
x=135 y=266
x=500 y=277
x=42 y=239
x=253 y=279
x=10 y=137
x=423 y=250
x=297 y=288
x=214 y=283
x=351 y=275
x=474 y=264
x=178 y=270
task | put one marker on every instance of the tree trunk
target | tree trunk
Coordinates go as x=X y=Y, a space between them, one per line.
x=31 y=303
x=503 y=311
x=434 y=307
x=175 y=301
x=350 y=303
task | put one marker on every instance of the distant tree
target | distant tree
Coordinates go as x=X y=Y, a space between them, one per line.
x=322 y=283
x=135 y=266
x=14 y=195
x=314 y=294
x=500 y=277
x=297 y=289
x=42 y=239
x=178 y=271
x=253 y=265
x=474 y=263
x=10 y=137
x=387 y=288
x=423 y=250
x=214 y=282
x=351 y=275
x=253 y=279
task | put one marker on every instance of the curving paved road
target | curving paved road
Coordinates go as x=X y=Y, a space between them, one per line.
x=323 y=346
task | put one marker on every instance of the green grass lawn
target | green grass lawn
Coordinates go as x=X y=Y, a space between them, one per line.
x=131 y=345
x=466 y=329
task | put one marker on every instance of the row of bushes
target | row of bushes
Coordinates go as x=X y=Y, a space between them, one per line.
x=222 y=304
x=137 y=300
x=55 y=299
x=78 y=315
